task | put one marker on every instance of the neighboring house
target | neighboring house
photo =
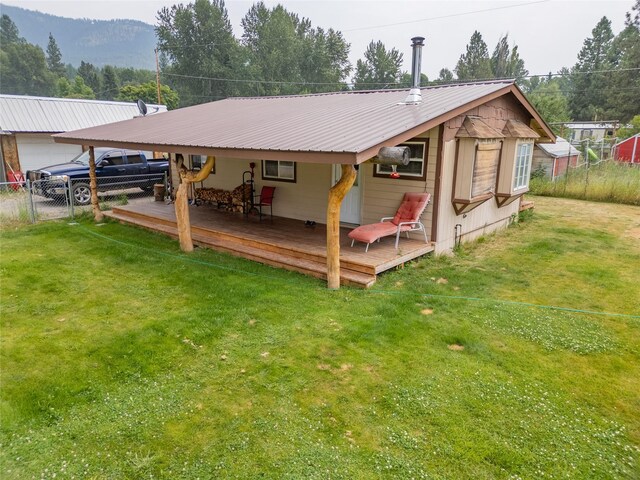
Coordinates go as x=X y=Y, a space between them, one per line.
x=26 y=125
x=628 y=150
x=471 y=148
x=595 y=131
x=554 y=158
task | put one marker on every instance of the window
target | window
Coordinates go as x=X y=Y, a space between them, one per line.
x=415 y=170
x=523 y=165
x=131 y=159
x=279 y=170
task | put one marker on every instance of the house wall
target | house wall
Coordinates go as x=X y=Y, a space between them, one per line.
x=306 y=199
x=541 y=159
x=382 y=195
x=487 y=217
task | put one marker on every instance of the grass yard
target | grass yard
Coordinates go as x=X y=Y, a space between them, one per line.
x=123 y=358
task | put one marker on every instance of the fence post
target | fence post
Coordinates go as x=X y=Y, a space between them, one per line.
x=69 y=196
x=32 y=215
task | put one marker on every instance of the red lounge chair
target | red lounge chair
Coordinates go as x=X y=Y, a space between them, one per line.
x=265 y=199
x=407 y=219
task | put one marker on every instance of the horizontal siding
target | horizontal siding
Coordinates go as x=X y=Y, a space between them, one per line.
x=382 y=196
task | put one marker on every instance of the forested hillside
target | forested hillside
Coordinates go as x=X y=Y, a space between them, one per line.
x=122 y=43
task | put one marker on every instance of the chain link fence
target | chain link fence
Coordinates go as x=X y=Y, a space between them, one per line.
x=48 y=199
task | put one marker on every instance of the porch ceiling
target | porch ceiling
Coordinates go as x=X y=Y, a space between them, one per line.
x=342 y=127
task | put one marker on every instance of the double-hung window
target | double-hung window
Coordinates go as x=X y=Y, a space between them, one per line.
x=524 y=153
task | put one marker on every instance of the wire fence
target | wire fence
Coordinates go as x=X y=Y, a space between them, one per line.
x=46 y=199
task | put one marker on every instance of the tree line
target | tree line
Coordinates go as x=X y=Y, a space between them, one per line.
x=281 y=53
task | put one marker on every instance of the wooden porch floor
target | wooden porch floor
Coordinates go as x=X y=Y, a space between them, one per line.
x=283 y=243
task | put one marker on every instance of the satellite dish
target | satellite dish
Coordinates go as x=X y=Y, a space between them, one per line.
x=142 y=107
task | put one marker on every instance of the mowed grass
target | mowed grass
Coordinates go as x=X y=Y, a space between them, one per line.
x=124 y=358
x=605 y=182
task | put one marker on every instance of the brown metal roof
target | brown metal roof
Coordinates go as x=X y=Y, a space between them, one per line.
x=343 y=127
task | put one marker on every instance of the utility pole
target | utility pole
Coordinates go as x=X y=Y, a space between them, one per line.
x=158 y=78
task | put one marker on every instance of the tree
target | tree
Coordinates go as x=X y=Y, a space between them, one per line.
x=283 y=48
x=23 y=70
x=379 y=69
x=54 y=58
x=200 y=49
x=506 y=62
x=77 y=89
x=550 y=102
x=110 y=83
x=406 y=79
x=91 y=76
x=9 y=32
x=147 y=92
x=623 y=85
x=588 y=98
x=629 y=130
x=445 y=76
x=475 y=63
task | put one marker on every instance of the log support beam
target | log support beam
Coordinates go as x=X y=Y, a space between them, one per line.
x=187 y=177
x=93 y=185
x=336 y=195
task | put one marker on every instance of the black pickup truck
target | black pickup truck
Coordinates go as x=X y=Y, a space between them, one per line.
x=116 y=169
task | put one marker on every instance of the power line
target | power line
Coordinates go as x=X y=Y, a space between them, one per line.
x=445 y=16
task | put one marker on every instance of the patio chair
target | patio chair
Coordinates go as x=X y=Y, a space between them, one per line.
x=264 y=200
x=406 y=219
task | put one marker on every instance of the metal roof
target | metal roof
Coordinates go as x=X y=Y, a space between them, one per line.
x=341 y=127
x=20 y=113
x=561 y=148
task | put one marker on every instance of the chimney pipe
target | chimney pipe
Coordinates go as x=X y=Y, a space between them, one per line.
x=415 y=96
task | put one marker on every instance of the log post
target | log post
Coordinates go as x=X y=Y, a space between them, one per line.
x=187 y=177
x=93 y=185
x=336 y=195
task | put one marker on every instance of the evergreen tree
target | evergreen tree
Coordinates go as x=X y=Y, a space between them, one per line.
x=623 y=86
x=90 y=75
x=506 y=62
x=9 y=32
x=110 y=83
x=550 y=102
x=23 y=68
x=588 y=100
x=379 y=69
x=54 y=58
x=475 y=64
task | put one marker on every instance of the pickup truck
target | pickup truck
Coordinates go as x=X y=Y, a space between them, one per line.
x=116 y=169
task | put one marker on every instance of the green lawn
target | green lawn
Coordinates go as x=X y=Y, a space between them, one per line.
x=123 y=358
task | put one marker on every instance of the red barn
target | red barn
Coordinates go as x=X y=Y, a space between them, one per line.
x=628 y=150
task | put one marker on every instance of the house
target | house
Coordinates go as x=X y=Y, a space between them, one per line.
x=26 y=125
x=628 y=150
x=471 y=147
x=554 y=158
x=595 y=131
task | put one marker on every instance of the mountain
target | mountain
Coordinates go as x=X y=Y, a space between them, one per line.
x=122 y=43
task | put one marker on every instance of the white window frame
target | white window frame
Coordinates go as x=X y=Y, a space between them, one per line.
x=385 y=170
x=522 y=165
x=286 y=171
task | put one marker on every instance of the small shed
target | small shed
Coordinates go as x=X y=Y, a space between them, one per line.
x=554 y=158
x=27 y=123
x=628 y=151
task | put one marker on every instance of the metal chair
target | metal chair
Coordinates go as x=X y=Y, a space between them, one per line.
x=264 y=200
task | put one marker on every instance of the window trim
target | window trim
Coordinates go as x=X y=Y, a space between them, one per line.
x=526 y=172
x=406 y=176
x=278 y=178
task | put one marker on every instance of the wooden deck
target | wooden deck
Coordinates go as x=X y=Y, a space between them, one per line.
x=283 y=243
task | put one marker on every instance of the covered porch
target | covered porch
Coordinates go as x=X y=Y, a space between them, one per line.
x=283 y=243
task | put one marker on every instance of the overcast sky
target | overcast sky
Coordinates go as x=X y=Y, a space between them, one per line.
x=549 y=33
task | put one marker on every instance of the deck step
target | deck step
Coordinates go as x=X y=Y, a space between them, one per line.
x=275 y=259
